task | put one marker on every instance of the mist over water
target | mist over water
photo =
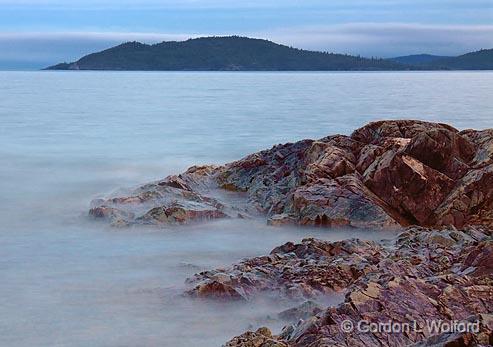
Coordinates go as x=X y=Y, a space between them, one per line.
x=66 y=138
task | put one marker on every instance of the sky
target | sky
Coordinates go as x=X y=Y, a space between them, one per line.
x=35 y=34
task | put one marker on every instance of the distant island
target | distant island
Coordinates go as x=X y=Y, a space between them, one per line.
x=234 y=53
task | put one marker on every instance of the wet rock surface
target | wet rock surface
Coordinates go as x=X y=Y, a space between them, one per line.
x=433 y=180
x=293 y=271
x=424 y=275
x=188 y=197
x=386 y=174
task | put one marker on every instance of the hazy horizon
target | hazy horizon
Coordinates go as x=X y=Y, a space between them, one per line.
x=35 y=34
x=14 y=66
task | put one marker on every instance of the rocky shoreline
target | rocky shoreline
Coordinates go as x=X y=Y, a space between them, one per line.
x=424 y=275
x=432 y=180
x=386 y=174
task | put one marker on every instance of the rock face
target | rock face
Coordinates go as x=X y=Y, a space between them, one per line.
x=424 y=275
x=386 y=174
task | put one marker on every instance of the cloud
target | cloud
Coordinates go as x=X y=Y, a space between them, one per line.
x=194 y=4
x=38 y=49
x=91 y=36
x=368 y=39
x=225 y=4
x=388 y=39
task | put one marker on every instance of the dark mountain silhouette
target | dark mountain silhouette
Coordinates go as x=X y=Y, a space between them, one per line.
x=417 y=59
x=479 y=60
x=234 y=53
x=220 y=53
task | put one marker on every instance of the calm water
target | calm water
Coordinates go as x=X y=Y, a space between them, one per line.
x=66 y=138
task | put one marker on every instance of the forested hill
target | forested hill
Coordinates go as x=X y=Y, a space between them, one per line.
x=479 y=60
x=418 y=59
x=230 y=53
x=234 y=53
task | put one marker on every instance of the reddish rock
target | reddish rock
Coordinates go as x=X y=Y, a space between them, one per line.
x=343 y=201
x=470 y=202
x=260 y=338
x=385 y=174
x=411 y=188
x=443 y=150
x=306 y=270
x=423 y=276
x=376 y=132
x=188 y=197
x=325 y=160
x=181 y=214
x=217 y=290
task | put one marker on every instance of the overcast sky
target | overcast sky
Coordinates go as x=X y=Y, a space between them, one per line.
x=34 y=34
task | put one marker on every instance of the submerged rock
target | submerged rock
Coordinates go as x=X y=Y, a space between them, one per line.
x=386 y=174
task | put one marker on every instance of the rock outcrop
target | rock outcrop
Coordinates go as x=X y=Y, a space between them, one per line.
x=424 y=276
x=191 y=196
x=430 y=178
x=295 y=271
x=386 y=174
x=260 y=338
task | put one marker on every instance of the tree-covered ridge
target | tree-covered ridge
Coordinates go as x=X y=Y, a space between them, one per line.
x=479 y=60
x=230 y=53
x=418 y=59
x=234 y=53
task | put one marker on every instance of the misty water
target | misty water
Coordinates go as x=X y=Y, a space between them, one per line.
x=69 y=137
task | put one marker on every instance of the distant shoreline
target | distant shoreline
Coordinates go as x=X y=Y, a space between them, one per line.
x=235 y=53
x=250 y=71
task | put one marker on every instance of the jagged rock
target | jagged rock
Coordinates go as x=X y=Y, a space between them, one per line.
x=443 y=150
x=386 y=174
x=470 y=202
x=217 y=290
x=260 y=338
x=343 y=201
x=377 y=132
x=180 y=199
x=484 y=336
x=423 y=275
x=305 y=270
x=408 y=186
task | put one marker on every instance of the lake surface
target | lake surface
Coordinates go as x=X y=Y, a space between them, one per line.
x=69 y=137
